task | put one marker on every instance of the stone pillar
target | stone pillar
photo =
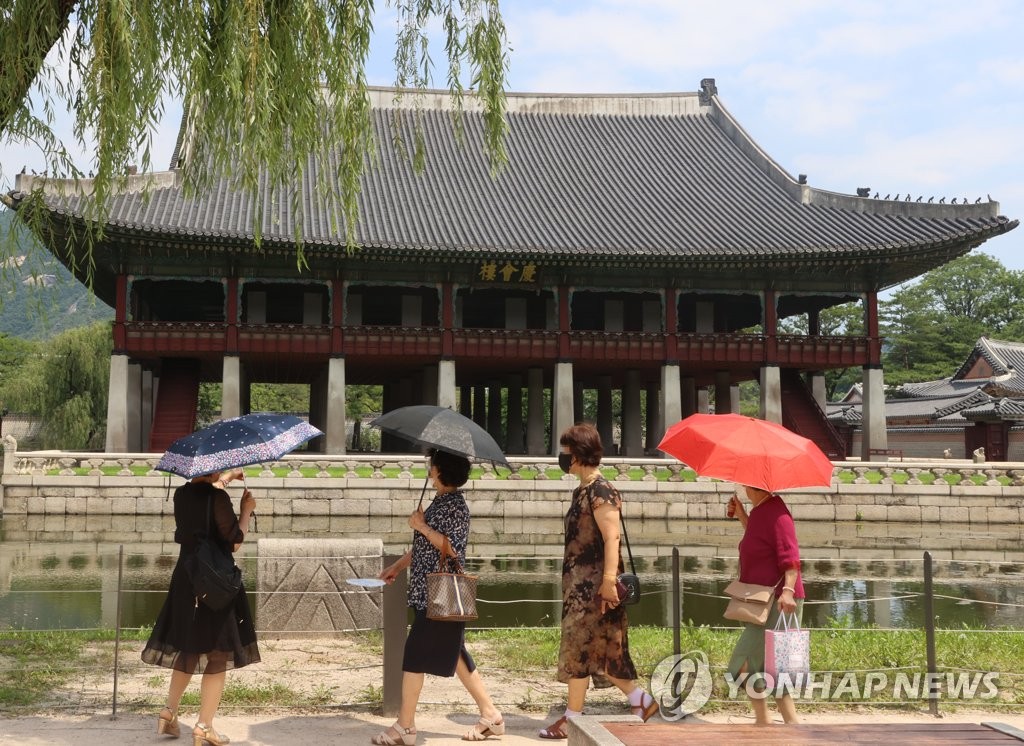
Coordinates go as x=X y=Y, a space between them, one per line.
x=480 y=406
x=818 y=389
x=494 y=411
x=117 y=405
x=873 y=434
x=148 y=397
x=231 y=388
x=653 y=429
x=632 y=444
x=561 y=402
x=514 y=432
x=134 y=397
x=671 y=402
x=723 y=397
x=605 y=415
x=318 y=408
x=688 y=396
x=535 y=412
x=336 y=429
x=734 y=398
x=446 y=384
x=771 y=394
x=703 y=400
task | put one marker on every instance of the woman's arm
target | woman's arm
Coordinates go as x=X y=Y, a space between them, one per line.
x=389 y=573
x=245 y=510
x=607 y=517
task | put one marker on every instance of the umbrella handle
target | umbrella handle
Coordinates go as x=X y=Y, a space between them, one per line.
x=423 y=491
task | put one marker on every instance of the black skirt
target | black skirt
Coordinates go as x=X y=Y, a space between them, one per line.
x=434 y=647
x=197 y=639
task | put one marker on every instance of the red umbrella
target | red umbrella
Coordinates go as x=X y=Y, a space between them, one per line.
x=748 y=451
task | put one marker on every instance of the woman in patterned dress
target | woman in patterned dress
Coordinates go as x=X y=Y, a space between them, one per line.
x=436 y=647
x=594 y=641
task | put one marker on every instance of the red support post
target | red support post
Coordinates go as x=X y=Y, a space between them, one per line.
x=232 y=316
x=871 y=328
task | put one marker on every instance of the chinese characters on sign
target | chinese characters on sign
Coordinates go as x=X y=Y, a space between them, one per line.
x=508 y=273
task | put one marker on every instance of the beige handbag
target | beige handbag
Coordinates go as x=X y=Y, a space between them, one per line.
x=451 y=596
x=749 y=602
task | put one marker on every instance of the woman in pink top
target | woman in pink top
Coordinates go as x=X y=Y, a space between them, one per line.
x=769 y=555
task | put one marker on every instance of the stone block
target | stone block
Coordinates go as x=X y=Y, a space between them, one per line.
x=149 y=506
x=1004 y=515
x=910 y=513
x=349 y=506
x=812 y=512
x=15 y=505
x=54 y=505
x=874 y=512
x=946 y=514
x=311 y=506
x=301 y=588
x=76 y=506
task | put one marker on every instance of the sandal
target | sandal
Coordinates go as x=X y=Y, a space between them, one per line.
x=203 y=734
x=646 y=712
x=484 y=729
x=557 y=730
x=167 y=723
x=394 y=736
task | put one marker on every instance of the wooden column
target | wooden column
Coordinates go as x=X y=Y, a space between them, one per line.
x=447 y=320
x=771 y=322
x=564 y=323
x=337 y=317
x=671 y=326
x=871 y=327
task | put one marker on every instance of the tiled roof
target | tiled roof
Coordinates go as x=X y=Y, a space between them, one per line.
x=663 y=179
x=1001 y=409
x=1006 y=359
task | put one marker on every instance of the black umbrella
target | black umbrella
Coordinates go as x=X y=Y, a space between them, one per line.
x=444 y=429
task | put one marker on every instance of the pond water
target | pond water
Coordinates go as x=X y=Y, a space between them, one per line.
x=68 y=580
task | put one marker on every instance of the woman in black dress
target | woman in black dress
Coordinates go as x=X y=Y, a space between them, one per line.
x=436 y=647
x=189 y=637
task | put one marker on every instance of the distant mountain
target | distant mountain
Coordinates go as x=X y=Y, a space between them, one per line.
x=38 y=296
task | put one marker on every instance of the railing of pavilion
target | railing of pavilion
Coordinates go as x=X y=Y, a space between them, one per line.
x=380 y=466
x=154 y=337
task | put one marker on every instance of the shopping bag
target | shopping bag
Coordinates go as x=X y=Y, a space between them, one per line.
x=787 y=650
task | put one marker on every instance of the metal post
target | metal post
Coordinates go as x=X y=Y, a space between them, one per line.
x=677 y=603
x=117 y=624
x=395 y=613
x=929 y=636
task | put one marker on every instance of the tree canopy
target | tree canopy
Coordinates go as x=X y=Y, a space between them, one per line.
x=265 y=84
x=931 y=325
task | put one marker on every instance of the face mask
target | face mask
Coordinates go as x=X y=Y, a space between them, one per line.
x=565 y=462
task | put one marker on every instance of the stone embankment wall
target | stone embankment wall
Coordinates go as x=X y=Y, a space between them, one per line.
x=57 y=483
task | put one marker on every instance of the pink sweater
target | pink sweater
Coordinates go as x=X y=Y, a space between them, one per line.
x=769 y=547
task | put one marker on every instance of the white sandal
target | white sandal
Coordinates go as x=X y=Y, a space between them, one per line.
x=394 y=736
x=490 y=728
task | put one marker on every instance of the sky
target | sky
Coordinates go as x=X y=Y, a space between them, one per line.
x=924 y=97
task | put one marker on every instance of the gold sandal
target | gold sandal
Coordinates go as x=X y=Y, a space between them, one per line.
x=208 y=736
x=167 y=723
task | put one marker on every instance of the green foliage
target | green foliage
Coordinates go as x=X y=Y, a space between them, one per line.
x=265 y=85
x=931 y=326
x=65 y=384
x=39 y=297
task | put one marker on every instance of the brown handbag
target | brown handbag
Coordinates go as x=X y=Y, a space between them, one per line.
x=451 y=596
x=749 y=602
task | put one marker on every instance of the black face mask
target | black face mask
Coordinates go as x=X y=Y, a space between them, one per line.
x=565 y=462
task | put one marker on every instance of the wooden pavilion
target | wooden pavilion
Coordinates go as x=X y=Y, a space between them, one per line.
x=638 y=243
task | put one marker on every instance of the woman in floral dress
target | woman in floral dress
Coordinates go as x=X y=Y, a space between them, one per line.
x=595 y=644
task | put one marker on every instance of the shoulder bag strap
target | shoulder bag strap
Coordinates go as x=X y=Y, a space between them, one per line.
x=629 y=551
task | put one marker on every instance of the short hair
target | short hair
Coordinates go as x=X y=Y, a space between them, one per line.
x=451 y=469
x=584 y=443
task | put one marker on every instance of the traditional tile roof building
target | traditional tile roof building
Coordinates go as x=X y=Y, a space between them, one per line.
x=643 y=243
x=980 y=405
